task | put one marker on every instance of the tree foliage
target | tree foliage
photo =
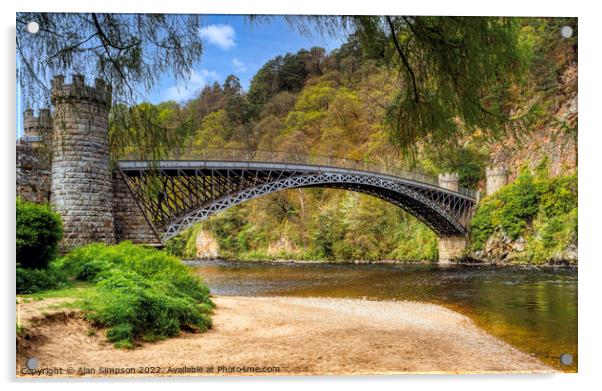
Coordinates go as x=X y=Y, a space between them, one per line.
x=129 y=51
x=284 y=73
x=453 y=71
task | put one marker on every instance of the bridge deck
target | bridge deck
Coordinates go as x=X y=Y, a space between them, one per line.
x=166 y=166
x=190 y=154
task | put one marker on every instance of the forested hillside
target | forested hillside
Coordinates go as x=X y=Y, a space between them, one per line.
x=340 y=104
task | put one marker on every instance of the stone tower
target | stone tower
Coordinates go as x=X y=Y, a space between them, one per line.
x=81 y=179
x=36 y=129
x=33 y=159
x=450 y=181
x=497 y=177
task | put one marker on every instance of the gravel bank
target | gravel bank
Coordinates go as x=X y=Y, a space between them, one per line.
x=298 y=336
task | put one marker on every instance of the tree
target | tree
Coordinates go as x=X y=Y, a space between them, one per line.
x=130 y=51
x=453 y=71
x=210 y=99
x=284 y=73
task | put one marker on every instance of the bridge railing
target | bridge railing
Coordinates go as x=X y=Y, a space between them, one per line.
x=262 y=156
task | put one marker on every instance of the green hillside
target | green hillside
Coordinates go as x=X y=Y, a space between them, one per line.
x=341 y=104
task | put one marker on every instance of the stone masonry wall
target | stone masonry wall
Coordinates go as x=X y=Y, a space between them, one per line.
x=33 y=159
x=130 y=223
x=497 y=177
x=450 y=181
x=451 y=248
x=82 y=182
x=33 y=174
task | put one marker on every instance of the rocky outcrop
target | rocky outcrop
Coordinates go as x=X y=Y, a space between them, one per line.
x=501 y=249
x=284 y=245
x=207 y=246
x=555 y=140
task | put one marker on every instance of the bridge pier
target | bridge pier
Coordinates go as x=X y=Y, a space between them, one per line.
x=451 y=248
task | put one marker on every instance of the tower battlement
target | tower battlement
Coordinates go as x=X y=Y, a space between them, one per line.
x=78 y=91
x=35 y=127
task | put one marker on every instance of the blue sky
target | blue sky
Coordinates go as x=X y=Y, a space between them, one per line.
x=232 y=45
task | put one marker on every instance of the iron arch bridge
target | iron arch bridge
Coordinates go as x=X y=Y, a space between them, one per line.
x=192 y=185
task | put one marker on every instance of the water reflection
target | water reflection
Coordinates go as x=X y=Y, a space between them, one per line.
x=535 y=309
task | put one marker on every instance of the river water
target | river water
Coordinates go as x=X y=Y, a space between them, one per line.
x=534 y=309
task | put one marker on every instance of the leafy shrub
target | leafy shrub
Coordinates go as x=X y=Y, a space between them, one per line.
x=39 y=230
x=36 y=280
x=140 y=292
x=541 y=209
x=177 y=245
x=558 y=195
x=520 y=203
x=553 y=236
x=482 y=224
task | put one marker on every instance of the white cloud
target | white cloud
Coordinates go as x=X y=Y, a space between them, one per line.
x=187 y=89
x=220 y=35
x=239 y=66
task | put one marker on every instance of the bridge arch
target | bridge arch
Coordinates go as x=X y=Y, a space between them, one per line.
x=194 y=190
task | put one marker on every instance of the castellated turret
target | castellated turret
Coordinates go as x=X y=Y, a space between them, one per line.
x=37 y=129
x=33 y=159
x=81 y=179
x=497 y=177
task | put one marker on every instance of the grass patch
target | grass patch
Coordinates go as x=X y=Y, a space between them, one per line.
x=77 y=290
x=138 y=293
x=39 y=280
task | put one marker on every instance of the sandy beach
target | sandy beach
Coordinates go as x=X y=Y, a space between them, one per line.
x=277 y=336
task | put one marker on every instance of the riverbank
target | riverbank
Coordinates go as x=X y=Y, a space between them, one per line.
x=282 y=336
x=463 y=262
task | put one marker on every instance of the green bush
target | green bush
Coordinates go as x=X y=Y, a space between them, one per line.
x=176 y=246
x=520 y=203
x=140 y=293
x=539 y=208
x=558 y=195
x=483 y=224
x=39 y=231
x=415 y=242
x=36 y=280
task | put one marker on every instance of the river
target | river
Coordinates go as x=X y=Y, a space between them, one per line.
x=534 y=309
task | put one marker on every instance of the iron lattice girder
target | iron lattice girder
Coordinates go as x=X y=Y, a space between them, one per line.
x=176 y=194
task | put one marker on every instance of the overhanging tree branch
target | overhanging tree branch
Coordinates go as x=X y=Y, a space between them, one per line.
x=404 y=59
